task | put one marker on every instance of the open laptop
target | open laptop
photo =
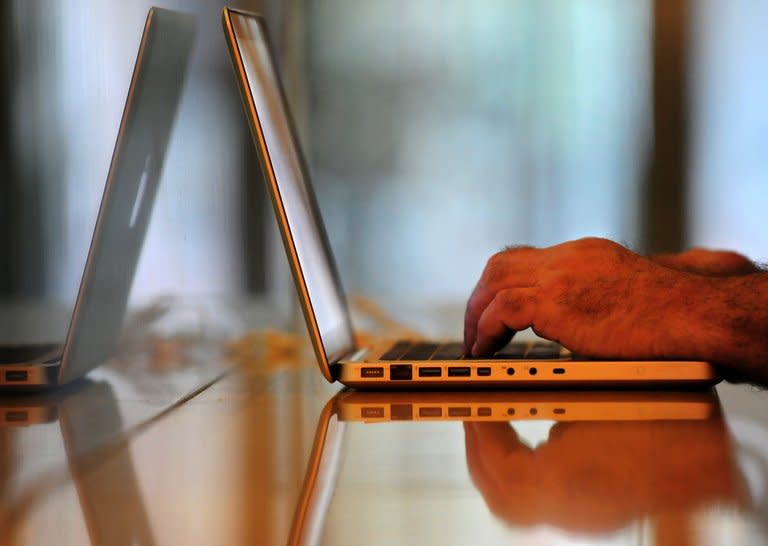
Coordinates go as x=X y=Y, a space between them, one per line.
x=635 y=421
x=404 y=365
x=132 y=183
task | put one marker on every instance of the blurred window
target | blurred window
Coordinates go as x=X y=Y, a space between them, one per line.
x=441 y=131
x=730 y=126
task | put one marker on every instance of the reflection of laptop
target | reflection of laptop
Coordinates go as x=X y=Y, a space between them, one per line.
x=108 y=489
x=124 y=213
x=651 y=412
x=319 y=287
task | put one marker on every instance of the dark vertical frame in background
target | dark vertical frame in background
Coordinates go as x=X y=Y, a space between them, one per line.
x=6 y=149
x=664 y=211
x=27 y=218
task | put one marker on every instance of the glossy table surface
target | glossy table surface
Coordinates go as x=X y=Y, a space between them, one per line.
x=269 y=453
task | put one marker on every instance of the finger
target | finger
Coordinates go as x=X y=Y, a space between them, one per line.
x=477 y=303
x=479 y=470
x=511 y=310
x=496 y=440
x=511 y=268
x=488 y=446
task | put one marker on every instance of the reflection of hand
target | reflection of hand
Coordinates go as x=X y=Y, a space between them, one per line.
x=716 y=263
x=599 y=476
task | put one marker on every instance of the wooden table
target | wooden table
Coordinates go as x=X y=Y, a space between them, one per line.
x=183 y=457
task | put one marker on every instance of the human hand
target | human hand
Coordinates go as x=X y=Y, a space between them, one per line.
x=702 y=261
x=598 y=476
x=592 y=295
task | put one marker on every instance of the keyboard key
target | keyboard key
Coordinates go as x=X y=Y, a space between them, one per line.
x=543 y=351
x=449 y=351
x=419 y=351
x=513 y=351
x=396 y=351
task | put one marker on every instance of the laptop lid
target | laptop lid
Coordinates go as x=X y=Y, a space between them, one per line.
x=306 y=242
x=130 y=190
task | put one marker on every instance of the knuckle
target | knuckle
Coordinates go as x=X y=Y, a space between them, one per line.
x=555 y=286
x=512 y=300
x=496 y=261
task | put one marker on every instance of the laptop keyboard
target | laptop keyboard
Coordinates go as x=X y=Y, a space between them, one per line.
x=410 y=350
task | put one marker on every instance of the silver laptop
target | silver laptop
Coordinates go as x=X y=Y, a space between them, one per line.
x=405 y=364
x=132 y=183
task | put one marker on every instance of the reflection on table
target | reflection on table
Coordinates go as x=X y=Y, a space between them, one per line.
x=237 y=465
x=610 y=462
x=88 y=418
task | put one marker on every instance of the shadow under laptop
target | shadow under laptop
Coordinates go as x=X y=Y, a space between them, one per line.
x=620 y=466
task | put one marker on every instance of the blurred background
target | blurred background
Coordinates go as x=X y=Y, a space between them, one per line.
x=437 y=132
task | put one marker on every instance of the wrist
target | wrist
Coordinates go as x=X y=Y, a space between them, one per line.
x=723 y=320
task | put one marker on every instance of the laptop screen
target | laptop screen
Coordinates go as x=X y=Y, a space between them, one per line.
x=305 y=228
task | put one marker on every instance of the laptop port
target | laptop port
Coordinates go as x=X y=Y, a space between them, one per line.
x=458 y=371
x=372 y=372
x=401 y=412
x=484 y=371
x=401 y=372
x=430 y=372
x=16 y=375
x=16 y=416
x=459 y=412
x=558 y=371
x=430 y=412
x=374 y=412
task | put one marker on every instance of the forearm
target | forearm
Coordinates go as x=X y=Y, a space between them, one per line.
x=725 y=321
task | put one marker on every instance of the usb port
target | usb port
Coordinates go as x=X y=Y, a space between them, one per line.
x=430 y=412
x=400 y=372
x=558 y=371
x=459 y=412
x=372 y=372
x=430 y=372
x=16 y=375
x=456 y=371
x=484 y=371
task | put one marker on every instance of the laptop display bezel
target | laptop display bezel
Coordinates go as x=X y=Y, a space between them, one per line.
x=325 y=358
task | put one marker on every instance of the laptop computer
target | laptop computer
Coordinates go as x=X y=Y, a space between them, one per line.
x=404 y=365
x=107 y=487
x=635 y=421
x=123 y=216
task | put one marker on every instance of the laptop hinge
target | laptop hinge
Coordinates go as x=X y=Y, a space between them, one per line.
x=335 y=371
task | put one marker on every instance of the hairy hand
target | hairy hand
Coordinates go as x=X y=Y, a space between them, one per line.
x=594 y=296
x=702 y=261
